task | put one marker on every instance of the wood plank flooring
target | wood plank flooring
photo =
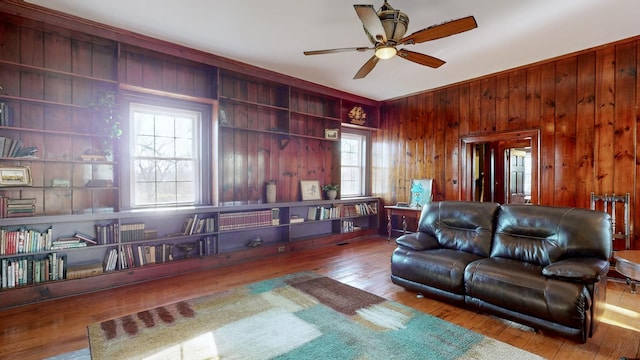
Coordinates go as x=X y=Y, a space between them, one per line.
x=58 y=326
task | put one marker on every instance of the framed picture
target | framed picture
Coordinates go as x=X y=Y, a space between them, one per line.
x=420 y=192
x=15 y=176
x=331 y=134
x=310 y=190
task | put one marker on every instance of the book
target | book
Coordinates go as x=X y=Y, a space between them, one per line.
x=88 y=238
x=295 y=219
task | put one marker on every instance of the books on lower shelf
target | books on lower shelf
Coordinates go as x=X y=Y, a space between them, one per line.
x=348 y=226
x=84 y=270
x=129 y=256
x=27 y=270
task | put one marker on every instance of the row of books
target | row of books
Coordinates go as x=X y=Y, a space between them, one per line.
x=348 y=226
x=24 y=241
x=130 y=256
x=29 y=270
x=249 y=219
x=108 y=234
x=132 y=232
x=12 y=148
x=196 y=225
x=322 y=213
x=360 y=209
x=16 y=207
x=83 y=270
x=4 y=114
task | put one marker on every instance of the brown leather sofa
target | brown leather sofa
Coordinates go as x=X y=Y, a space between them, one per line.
x=545 y=267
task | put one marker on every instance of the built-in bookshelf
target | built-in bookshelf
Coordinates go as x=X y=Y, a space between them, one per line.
x=97 y=247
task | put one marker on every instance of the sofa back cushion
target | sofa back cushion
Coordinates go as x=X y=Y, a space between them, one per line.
x=545 y=234
x=460 y=225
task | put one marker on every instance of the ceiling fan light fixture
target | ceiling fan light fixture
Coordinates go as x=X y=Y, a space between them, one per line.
x=385 y=52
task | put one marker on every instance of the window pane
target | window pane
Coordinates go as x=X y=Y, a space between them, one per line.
x=145 y=170
x=164 y=147
x=166 y=193
x=144 y=146
x=184 y=170
x=184 y=148
x=165 y=170
x=165 y=166
x=145 y=193
x=353 y=163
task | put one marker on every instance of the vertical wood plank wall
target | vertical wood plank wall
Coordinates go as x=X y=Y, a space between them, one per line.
x=586 y=106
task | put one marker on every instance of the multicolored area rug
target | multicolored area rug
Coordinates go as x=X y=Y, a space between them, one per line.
x=299 y=316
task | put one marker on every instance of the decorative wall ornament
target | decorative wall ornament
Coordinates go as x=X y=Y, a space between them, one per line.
x=357 y=115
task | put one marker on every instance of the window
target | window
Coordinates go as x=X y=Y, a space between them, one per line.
x=165 y=148
x=353 y=163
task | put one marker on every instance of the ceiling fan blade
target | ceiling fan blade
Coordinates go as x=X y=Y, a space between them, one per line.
x=366 y=68
x=441 y=30
x=371 y=22
x=421 y=59
x=331 y=51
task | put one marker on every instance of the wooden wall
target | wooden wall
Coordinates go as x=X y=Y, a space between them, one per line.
x=586 y=106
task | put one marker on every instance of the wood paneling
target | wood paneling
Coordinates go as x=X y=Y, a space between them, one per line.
x=586 y=106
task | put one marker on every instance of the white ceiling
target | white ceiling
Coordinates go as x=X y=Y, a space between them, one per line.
x=272 y=34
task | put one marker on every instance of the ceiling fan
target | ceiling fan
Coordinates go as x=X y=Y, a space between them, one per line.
x=386 y=28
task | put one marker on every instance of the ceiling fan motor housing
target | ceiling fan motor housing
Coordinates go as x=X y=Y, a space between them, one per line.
x=394 y=22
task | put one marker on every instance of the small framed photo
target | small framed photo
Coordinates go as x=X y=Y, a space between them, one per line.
x=310 y=190
x=332 y=134
x=15 y=176
x=420 y=192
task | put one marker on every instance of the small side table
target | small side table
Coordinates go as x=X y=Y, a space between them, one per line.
x=404 y=212
x=628 y=264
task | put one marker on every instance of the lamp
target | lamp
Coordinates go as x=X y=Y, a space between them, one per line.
x=385 y=52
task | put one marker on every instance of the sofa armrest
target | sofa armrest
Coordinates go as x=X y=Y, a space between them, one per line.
x=583 y=270
x=417 y=241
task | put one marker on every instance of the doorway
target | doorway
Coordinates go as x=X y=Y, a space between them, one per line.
x=500 y=168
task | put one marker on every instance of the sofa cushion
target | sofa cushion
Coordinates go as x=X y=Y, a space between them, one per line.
x=438 y=268
x=542 y=235
x=460 y=225
x=521 y=287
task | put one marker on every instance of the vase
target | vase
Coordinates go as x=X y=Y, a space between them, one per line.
x=271 y=192
x=332 y=194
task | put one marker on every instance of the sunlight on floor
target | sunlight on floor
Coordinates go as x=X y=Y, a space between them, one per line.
x=621 y=317
x=201 y=347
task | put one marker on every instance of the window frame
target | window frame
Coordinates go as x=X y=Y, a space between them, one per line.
x=206 y=152
x=365 y=167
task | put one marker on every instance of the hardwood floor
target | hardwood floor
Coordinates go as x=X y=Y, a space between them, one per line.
x=58 y=326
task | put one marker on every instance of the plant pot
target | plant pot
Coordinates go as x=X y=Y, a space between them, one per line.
x=332 y=194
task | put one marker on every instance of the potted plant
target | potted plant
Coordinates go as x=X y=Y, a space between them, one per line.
x=108 y=117
x=331 y=190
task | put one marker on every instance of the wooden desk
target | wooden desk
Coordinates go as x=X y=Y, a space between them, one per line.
x=628 y=264
x=405 y=212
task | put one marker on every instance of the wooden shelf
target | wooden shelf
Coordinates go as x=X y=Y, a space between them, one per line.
x=43 y=131
x=277 y=238
x=49 y=71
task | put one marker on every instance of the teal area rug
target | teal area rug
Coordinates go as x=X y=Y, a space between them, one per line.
x=299 y=316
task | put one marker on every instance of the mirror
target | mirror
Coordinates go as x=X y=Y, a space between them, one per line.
x=501 y=167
